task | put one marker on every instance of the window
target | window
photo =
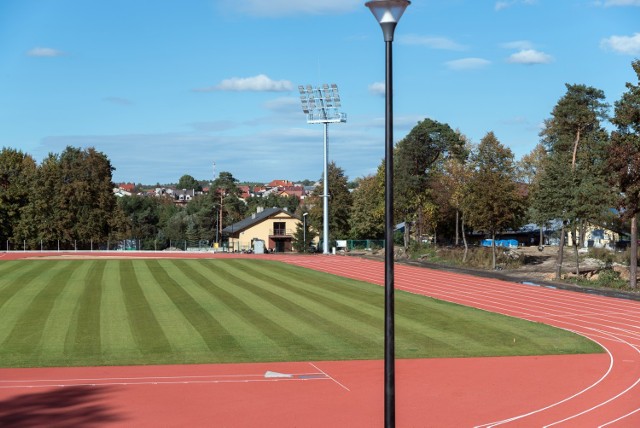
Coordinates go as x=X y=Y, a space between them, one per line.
x=279 y=228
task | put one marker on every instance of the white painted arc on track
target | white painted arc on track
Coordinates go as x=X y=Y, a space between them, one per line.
x=602 y=319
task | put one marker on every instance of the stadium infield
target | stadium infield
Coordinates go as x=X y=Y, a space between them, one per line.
x=567 y=390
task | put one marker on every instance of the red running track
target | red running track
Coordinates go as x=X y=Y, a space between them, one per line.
x=568 y=391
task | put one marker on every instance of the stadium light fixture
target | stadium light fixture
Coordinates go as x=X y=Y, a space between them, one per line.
x=388 y=13
x=321 y=105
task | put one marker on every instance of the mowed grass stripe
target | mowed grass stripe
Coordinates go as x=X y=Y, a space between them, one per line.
x=260 y=338
x=18 y=276
x=147 y=333
x=116 y=336
x=19 y=293
x=291 y=337
x=28 y=328
x=182 y=336
x=329 y=325
x=83 y=336
x=215 y=337
x=350 y=313
x=61 y=320
x=225 y=322
x=340 y=318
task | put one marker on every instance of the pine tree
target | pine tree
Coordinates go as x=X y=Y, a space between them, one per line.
x=624 y=162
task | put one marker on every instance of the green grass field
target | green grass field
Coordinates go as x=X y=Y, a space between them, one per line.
x=116 y=312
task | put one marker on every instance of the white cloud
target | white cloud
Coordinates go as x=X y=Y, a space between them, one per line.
x=259 y=83
x=627 y=45
x=277 y=8
x=431 y=42
x=377 y=88
x=467 y=64
x=609 y=3
x=530 y=57
x=44 y=52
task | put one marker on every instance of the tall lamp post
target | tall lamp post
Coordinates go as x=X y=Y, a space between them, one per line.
x=388 y=13
x=322 y=105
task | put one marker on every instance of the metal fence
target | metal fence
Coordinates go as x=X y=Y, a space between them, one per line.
x=119 y=245
x=365 y=244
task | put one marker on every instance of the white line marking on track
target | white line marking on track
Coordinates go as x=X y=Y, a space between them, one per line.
x=328 y=376
x=157 y=380
x=620 y=418
x=602 y=403
x=515 y=418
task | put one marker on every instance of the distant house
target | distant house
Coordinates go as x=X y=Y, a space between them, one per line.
x=120 y=193
x=275 y=226
x=127 y=187
x=182 y=197
x=293 y=191
x=279 y=183
x=245 y=192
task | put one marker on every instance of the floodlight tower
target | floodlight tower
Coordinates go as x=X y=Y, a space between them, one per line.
x=321 y=105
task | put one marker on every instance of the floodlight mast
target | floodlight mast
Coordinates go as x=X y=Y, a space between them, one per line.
x=321 y=105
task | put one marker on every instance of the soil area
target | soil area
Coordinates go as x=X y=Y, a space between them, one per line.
x=541 y=264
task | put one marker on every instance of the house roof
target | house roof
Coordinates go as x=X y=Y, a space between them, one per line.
x=279 y=183
x=255 y=219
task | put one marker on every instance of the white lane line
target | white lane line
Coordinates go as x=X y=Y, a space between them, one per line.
x=515 y=418
x=329 y=376
x=186 y=382
x=151 y=380
x=620 y=394
x=620 y=418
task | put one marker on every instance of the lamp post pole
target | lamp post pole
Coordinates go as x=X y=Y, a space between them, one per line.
x=387 y=13
x=304 y=232
x=325 y=193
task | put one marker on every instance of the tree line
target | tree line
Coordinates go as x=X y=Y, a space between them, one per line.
x=444 y=187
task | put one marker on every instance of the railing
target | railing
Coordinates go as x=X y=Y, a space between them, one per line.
x=280 y=232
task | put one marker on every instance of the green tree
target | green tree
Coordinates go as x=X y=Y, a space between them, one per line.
x=624 y=162
x=71 y=199
x=426 y=144
x=230 y=207
x=456 y=173
x=367 y=211
x=339 y=204
x=303 y=236
x=189 y=183
x=573 y=186
x=291 y=203
x=17 y=172
x=493 y=203
x=529 y=172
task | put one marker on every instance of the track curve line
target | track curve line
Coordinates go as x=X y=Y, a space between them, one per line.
x=613 y=400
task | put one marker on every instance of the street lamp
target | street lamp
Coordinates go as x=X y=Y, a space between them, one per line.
x=304 y=231
x=388 y=13
x=321 y=105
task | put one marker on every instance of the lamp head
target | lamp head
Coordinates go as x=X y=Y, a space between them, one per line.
x=387 y=13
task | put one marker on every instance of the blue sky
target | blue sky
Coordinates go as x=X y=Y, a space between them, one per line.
x=167 y=88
